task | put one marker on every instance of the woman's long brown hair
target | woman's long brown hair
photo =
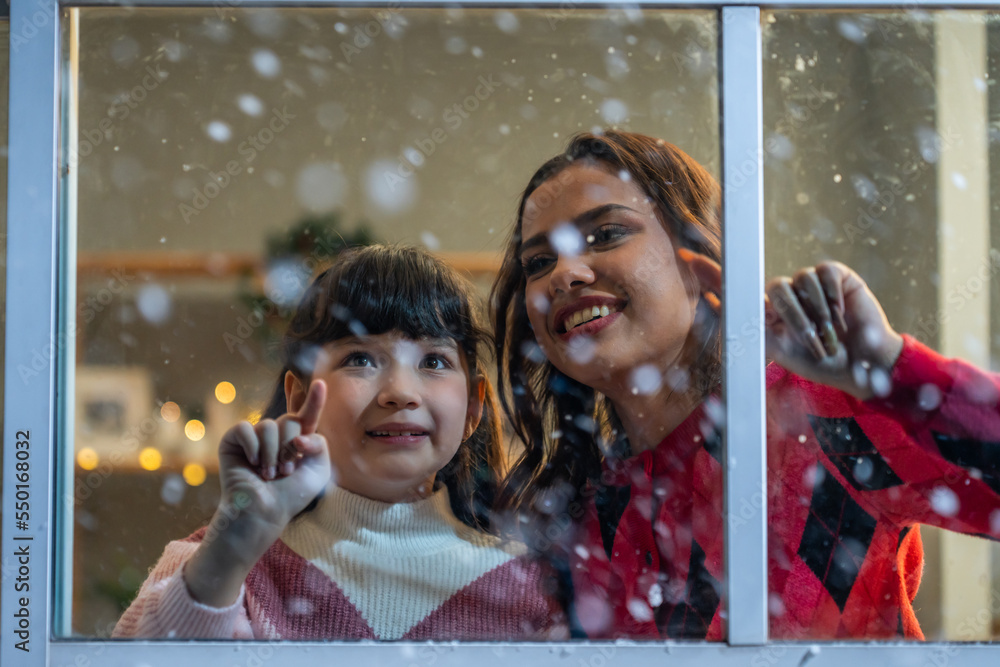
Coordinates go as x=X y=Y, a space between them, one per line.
x=567 y=429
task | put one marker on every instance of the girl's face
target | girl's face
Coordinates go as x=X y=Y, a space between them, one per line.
x=396 y=412
x=605 y=292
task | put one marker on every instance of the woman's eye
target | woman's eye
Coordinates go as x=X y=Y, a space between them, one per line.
x=536 y=264
x=607 y=234
x=359 y=360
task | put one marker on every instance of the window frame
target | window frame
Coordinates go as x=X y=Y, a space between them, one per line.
x=39 y=354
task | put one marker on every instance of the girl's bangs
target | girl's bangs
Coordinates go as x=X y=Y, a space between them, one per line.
x=408 y=293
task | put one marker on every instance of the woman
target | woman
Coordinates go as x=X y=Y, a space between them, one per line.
x=606 y=319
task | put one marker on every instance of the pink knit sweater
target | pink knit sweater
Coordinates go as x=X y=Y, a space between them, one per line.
x=355 y=568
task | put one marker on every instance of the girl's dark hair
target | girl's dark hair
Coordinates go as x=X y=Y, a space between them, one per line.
x=380 y=289
x=562 y=422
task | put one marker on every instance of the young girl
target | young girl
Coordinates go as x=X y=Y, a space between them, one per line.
x=606 y=323
x=357 y=508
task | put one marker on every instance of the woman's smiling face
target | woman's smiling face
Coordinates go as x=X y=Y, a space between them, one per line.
x=605 y=292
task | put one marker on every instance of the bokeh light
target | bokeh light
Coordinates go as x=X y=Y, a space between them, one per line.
x=150 y=458
x=194 y=474
x=225 y=392
x=194 y=430
x=170 y=411
x=87 y=458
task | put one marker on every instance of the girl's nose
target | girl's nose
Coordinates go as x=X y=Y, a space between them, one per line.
x=399 y=390
x=569 y=272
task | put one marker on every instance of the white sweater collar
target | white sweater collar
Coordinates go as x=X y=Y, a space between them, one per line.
x=422 y=526
x=395 y=562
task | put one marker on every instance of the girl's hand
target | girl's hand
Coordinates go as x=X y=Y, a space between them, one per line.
x=823 y=324
x=269 y=472
x=272 y=470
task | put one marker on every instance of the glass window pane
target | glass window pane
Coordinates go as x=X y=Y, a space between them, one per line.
x=221 y=155
x=879 y=139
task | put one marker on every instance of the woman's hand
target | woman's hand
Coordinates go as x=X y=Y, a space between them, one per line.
x=823 y=323
x=269 y=472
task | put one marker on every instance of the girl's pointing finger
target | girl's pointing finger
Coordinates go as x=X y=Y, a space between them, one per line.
x=308 y=415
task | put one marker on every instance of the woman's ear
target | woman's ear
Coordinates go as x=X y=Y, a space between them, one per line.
x=474 y=413
x=706 y=274
x=295 y=392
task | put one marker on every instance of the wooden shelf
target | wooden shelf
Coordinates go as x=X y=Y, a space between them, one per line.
x=192 y=264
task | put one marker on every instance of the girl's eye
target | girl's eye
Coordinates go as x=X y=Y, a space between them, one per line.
x=435 y=362
x=359 y=360
x=535 y=264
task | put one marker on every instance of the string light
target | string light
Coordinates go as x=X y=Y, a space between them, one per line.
x=194 y=474
x=194 y=430
x=150 y=458
x=87 y=458
x=225 y=392
x=170 y=411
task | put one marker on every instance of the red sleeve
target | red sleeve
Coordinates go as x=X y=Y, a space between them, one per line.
x=929 y=452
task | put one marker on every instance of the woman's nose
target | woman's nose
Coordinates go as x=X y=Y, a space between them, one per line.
x=569 y=272
x=399 y=390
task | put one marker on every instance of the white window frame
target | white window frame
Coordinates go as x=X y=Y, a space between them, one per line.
x=39 y=337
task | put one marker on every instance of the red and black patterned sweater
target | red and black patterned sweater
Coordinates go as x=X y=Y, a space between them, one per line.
x=848 y=484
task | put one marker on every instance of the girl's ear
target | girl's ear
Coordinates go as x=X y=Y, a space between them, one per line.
x=295 y=392
x=474 y=413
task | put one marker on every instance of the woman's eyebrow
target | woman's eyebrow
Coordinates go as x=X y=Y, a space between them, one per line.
x=579 y=222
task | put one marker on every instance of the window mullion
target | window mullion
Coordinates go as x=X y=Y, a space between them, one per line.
x=743 y=317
